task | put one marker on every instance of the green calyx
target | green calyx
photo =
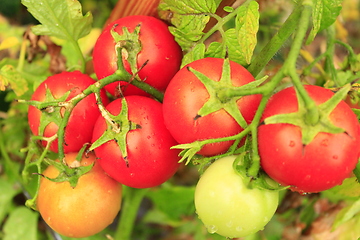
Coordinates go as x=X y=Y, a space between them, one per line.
x=51 y=109
x=241 y=165
x=222 y=94
x=68 y=173
x=129 y=44
x=304 y=119
x=117 y=129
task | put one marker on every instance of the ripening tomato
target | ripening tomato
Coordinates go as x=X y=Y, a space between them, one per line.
x=158 y=48
x=79 y=128
x=150 y=161
x=84 y=210
x=186 y=95
x=323 y=163
x=227 y=206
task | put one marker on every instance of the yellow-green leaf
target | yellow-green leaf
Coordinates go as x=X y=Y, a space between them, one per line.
x=10 y=77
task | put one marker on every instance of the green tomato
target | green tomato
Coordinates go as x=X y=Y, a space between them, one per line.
x=227 y=207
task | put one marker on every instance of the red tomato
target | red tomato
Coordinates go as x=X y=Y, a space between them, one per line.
x=320 y=165
x=84 y=210
x=186 y=94
x=79 y=128
x=150 y=160
x=159 y=48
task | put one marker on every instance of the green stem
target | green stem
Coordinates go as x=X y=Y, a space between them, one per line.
x=289 y=68
x=131 y=203
x=220 y=23
x=330 y=51
x=79 y=53
x=21 y=62
x=276 y=42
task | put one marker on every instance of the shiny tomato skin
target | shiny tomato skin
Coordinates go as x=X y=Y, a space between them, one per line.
x=185 y=96
x=150 y=160
x=318 y=166
x=85 y=113
x=159 y=48
x=84 y=210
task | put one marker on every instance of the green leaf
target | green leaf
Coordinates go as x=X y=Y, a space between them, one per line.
x=62 y=19
x=189 y=19
x=349 y=190
x=324 y=15
x=8 y=192
x=179 y=201
x=9 y=76
x=216 y=49
x=196 y=53
x=347 y=214
x=21 y=224
x=241 y=40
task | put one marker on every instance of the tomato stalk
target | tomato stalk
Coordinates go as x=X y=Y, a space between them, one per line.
x=37 y=163
x=289 y=68
x=221 y=21
x=131 y=203
x=276 y=42
x=329 y=61
x=312 y=116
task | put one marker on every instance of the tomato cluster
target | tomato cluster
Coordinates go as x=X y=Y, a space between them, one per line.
x=136 y=138
x=132 y=149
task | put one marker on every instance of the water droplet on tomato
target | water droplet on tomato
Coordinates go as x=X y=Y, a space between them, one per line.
x=335 y=157
x=239 y=228
x=211 y=228
x=292 y=144
x=229 y=224
x=212 y=193
x=325 y=142
x=148 y=137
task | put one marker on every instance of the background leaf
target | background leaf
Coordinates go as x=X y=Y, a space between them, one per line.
x=8 y=192
x=347 y=214
x=241 y=40
x=21 y=224
x=324 y=15
x=189 y=19
x=9 y=76
x=62 y=19
x=179 y=200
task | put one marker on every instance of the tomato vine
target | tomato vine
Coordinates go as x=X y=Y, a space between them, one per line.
x=232 y=38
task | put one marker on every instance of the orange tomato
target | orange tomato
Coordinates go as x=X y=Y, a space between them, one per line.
x=84 y=210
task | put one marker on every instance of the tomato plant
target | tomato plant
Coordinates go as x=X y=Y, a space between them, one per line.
x=46 y=120
x=315 y=166
x=157 y=49
x=195 y=110
x=84 y=210
x=258 y=82
x=227 y=206
x=140 y=157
